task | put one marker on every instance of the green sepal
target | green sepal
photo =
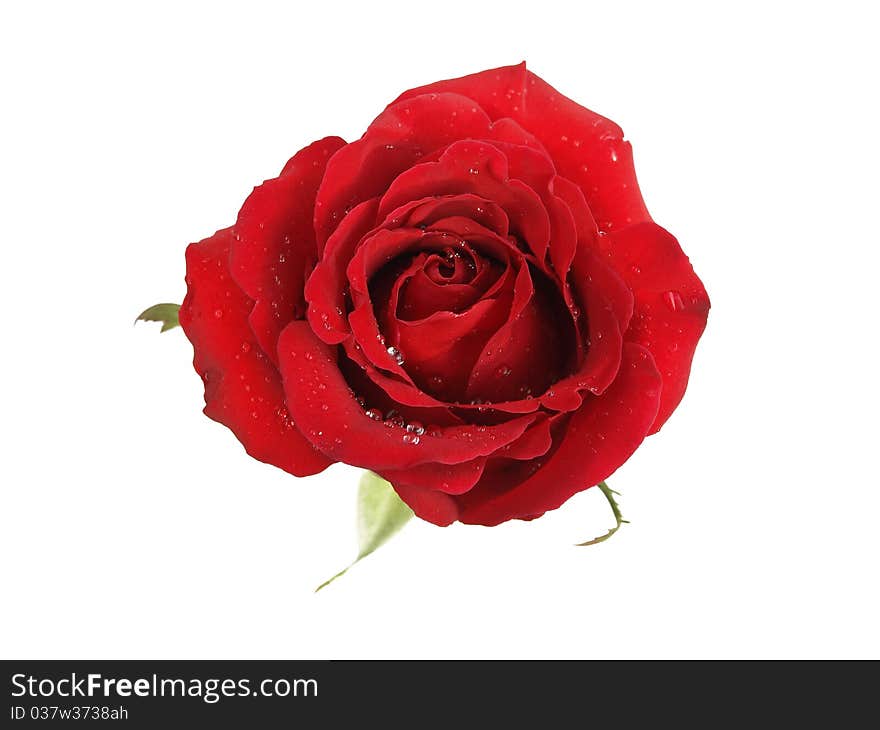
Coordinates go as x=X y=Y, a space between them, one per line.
x=380 y=515
x=615 y=510
x=166 y=313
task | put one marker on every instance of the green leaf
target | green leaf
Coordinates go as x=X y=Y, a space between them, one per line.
x=164 y=313
x=381 y=515
x=615 y=510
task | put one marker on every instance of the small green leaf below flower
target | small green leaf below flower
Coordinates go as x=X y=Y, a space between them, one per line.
x=615 y=510
x=164 y=313
x=381 y=515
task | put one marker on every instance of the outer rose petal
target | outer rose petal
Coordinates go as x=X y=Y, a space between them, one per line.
x=274 y=245
x=447 y=478
x=671 y=305
x=600 y=437
x=242 y=388
x=429 y=504
x=586 y=147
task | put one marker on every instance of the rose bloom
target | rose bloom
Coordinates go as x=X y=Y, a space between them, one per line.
x=470 y=300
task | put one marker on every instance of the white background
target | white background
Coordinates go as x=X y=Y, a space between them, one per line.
x=132 y=526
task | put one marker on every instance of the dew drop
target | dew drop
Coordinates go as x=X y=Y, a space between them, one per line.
x=394 y=419
x=218 y=313
x=415 y=427
x=673 y=300
x=373 y=413
x=396 y=354
x=503 y=371
x=411 y=438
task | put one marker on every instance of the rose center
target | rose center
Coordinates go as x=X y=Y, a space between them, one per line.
x=451 y=267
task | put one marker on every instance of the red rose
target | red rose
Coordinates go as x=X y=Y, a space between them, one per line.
x=471 y=300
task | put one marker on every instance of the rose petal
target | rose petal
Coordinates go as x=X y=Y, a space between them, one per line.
x=273 y=248
x=409 y=395
x=324 y=407
x=441 y=349
x=399 y=137
x=478 y=168
x=425 y=212
x=242 y=388
x=600 y=436
x=587 y=148
x=532 y=350
x=376 y=251
x=608 y=304
x=359 y=376
x=671 y=304
x=533 y=443
x=325 y=291
x=510 y=130
x=446 y=478
x=420 y=296
x=428 y=504
x=564 y=236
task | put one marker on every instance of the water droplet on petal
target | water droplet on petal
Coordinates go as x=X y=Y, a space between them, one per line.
x=396 y=354
x=410 y=438
x=674 y=301
x=394 y=419
x=415 y=427
x=373 y=413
